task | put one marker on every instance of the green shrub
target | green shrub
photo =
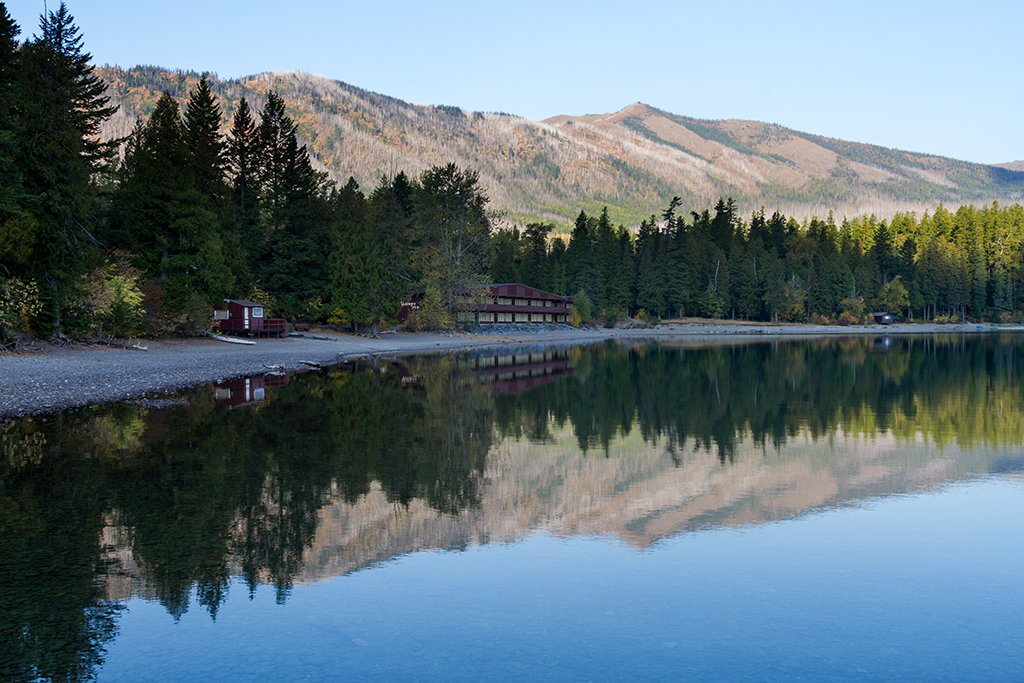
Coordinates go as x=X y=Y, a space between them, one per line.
x=433 y=313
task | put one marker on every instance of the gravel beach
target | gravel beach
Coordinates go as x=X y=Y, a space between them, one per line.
x=46 y=378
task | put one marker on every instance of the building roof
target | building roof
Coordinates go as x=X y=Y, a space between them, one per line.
x=242 y=302
x=514 y=289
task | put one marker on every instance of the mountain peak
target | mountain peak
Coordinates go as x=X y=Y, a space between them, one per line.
x=633 y=161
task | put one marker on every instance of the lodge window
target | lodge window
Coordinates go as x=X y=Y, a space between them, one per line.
x=257 y=311
x=220 y=314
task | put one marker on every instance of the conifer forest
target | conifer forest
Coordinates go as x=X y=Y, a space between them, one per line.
x=143 y=234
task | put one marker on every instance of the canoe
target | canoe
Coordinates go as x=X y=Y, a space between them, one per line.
x=232 y=340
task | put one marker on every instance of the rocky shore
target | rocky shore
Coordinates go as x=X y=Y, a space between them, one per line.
x=46 y=378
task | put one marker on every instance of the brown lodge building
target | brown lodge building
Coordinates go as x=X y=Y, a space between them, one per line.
x=505 y=303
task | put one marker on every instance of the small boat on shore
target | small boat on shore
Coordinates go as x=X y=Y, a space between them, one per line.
x=232 y=340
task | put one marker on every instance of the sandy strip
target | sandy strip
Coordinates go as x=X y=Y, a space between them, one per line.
x=49 y=378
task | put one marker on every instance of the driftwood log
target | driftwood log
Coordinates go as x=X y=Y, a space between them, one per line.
x=121 y=344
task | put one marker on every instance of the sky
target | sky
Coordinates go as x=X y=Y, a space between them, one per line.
x=930 y=77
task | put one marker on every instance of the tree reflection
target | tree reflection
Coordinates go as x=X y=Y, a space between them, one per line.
x=54 y=617
x=201 y=492
x=710 y=397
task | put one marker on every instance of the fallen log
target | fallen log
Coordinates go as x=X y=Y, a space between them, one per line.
x=118 y=344
x=312 y=336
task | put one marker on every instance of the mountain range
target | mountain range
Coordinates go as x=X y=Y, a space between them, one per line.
x=632 y=161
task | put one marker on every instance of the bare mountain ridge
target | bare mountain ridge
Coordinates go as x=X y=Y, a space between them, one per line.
x=633 y=161
x=1013 y=165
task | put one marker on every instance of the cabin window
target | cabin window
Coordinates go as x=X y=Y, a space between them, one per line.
x=257 y=311
x=220 y=314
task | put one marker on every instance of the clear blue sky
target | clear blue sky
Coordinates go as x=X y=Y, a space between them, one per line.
x=941 y=78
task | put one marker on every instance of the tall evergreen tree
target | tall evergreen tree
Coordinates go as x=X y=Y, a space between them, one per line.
x=507 y=257
x=205 y=143
x=535 y=243
x=17 y=227
x=243 y=165
x=582 y=261
x=208 y=161
x=288 y=255
x=623 y=297
x=64 y=104
x=606 y=252
x=371 y=276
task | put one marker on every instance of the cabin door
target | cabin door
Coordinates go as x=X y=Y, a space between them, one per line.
x=246 y=323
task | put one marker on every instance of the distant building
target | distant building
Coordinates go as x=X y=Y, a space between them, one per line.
x=504 y=303
x=238 y=316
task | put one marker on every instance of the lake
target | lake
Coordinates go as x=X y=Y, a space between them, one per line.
x=845 y=509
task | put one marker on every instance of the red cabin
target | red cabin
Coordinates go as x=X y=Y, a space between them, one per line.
x=238 y=316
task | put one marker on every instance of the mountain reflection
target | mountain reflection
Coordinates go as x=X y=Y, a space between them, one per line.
x=326 y=473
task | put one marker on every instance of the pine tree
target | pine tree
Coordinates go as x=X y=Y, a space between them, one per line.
x=207 y=148
x=506 y=259
x=158 y=185
x=243 y=163
x=372 y=276
x=606 y=251
x=582 y=261
x=208 y=162
x=623 y=296
x=64 y=104
x=289 y=255
x=17 y=227
x=535 y=243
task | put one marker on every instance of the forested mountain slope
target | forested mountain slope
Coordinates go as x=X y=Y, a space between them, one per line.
x=633 y=161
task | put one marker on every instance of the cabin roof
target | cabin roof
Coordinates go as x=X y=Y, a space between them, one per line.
x=515 y=289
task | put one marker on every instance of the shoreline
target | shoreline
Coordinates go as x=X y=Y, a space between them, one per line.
x=49 y=378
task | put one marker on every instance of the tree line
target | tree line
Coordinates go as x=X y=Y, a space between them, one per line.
x=944 y=266
x=143 y=234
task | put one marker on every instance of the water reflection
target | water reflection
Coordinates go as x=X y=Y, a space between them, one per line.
x=327 y=473
x=246 y=391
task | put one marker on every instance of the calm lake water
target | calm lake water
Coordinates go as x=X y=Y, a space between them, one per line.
x=828 y=510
